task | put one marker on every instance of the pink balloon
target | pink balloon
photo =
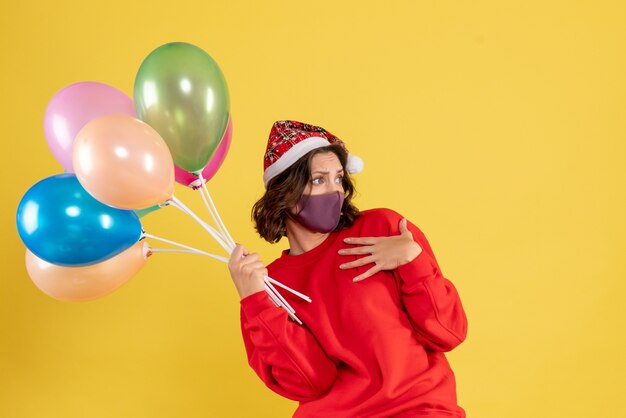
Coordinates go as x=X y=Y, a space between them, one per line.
x=73 y=107
x=191 y=180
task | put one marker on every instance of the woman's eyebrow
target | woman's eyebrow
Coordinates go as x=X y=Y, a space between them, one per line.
x=325 y=171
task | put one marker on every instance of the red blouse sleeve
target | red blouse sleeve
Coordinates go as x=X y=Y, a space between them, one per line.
x=432 y=302
x=283 y=354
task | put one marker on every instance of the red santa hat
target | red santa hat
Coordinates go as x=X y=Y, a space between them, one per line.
x=290 y=140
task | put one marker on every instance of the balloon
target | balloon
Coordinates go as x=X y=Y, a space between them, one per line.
x=186 y=178
x=181 y=92
x=143 y=212
x=86 y=282
x=123 y=162
x=75 y=105
x=63 y=224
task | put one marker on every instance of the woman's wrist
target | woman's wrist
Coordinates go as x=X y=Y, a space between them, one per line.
x=249 y=289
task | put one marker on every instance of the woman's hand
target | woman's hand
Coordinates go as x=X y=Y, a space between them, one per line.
x=247 y=271
x=387 y=253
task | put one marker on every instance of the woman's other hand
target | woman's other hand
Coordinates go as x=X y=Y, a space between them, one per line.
x=247 y=271
x=386 y=253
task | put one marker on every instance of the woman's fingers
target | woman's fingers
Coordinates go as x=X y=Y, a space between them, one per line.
x=250 y=258
x=357 y=263
x=256 y=265
x=362 y=240
x=241 y=260
x=368 y=273
x=247 y=271
x=404 y=228
x=238 y=252
x=356 y=250
x=386 y=253
x=235 y=258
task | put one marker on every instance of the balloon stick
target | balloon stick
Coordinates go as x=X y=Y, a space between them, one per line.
x=287 y=288
x=180 y=205
x=190 y=249
x=213 y=210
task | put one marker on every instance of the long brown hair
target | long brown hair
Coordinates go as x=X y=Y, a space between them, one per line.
x=283 y=192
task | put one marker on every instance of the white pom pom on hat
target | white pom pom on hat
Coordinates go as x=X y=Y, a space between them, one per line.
x=355 y=164
x=290 y=140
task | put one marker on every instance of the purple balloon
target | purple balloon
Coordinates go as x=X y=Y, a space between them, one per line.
x=191 y=180
x=73 y=107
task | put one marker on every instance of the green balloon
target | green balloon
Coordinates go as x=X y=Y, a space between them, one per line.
x=181 y=92
x=144 y=212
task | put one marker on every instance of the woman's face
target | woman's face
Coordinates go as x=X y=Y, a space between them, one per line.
x=326 y=175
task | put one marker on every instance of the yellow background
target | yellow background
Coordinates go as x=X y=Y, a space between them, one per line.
x=495 y=126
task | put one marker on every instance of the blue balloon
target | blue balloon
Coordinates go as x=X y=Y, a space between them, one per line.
x=61 y=223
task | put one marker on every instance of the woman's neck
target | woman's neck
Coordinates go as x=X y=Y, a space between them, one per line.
x=301 y=239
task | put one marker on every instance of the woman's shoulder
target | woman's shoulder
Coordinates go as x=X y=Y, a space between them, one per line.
x=379 y=214
x=378 y=218
x=384 y=221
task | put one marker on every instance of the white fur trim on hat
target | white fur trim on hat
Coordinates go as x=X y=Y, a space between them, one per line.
x=355 y=164
x=292 y=155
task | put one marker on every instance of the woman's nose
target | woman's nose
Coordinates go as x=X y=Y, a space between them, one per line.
x=334 y=187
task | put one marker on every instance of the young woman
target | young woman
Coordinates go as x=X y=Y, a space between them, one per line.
x=382 y=315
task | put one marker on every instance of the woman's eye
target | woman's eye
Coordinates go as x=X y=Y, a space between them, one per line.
x=339 y=180
x=317 y=181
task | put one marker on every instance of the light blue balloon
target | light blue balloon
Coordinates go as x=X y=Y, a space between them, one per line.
x=143 y=212
x=61 y=223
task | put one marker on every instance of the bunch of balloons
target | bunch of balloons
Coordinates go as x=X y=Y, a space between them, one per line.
x=122 y=158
